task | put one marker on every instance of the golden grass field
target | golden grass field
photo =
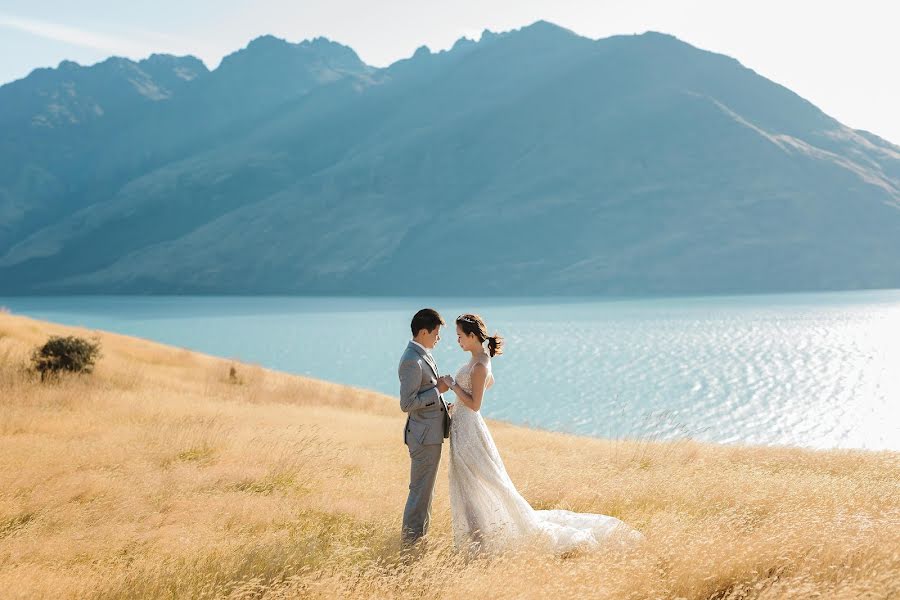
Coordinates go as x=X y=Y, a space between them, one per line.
x=159 y=476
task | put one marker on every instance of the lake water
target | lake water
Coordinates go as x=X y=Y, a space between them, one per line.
x=816 y=370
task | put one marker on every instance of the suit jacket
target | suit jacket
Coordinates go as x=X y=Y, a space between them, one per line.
x=428 y=420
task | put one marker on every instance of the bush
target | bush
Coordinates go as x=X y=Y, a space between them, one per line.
x=72 y=354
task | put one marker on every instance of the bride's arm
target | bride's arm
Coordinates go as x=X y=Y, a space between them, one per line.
x=479 y=377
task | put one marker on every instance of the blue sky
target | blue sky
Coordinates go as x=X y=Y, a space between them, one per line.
x=842 y=56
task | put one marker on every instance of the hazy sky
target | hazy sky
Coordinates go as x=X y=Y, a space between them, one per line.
x=842 y=56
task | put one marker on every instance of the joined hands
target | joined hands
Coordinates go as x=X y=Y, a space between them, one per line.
x=445 y=383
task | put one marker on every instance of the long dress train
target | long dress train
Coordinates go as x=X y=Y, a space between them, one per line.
x=488 y=512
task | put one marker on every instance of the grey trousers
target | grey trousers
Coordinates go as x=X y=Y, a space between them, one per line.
x=422 y=474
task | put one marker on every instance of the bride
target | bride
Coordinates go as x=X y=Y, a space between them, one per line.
x=488 y=513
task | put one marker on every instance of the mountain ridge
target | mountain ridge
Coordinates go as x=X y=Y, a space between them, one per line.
x=627 y=165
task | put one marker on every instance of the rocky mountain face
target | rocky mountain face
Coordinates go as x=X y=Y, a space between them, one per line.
x=530 y=162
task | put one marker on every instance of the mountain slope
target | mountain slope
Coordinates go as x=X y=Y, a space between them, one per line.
x=534 y=161
x=77 y=135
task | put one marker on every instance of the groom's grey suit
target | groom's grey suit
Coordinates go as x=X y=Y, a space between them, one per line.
x=427 y=424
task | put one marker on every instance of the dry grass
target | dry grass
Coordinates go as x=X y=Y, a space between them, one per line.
x=165 y=475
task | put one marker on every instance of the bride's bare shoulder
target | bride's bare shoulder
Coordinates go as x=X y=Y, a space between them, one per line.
x=483 y=369
x=480 y=368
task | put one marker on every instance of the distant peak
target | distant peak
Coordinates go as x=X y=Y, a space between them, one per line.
x=462 y=43
x=544 y=23
x=267 y=41
x=321 y=46
x=321 y=42
x=158 y=58
x=547 y=27
x=661 y=34
x=422 y=51
x=542 y=30
x=118 y=60
x=662 y=37
x=114 y=63
x=270 y=52
x=326 y=46
x=173 y=60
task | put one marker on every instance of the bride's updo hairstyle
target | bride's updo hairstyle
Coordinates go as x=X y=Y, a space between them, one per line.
x=473 y=324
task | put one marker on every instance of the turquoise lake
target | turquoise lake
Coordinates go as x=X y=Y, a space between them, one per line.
x=818 y=370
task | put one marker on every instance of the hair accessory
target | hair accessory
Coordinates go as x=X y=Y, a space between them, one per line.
x=467 y=319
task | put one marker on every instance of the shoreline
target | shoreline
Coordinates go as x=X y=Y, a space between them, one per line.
x=524 y=425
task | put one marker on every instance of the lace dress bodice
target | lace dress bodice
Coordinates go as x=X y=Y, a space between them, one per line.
x=464 y=379
x=488 y=512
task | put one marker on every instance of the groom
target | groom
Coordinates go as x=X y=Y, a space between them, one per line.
x=427 y=422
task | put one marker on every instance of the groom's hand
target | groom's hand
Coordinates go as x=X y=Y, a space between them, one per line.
x=442 y=384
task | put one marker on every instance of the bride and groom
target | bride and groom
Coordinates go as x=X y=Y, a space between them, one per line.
x=487 y=511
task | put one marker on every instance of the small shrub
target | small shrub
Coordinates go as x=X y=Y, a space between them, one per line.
x=233 y=376
x=71 y=354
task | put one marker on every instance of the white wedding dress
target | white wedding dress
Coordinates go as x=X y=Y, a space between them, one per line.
x=488 y=513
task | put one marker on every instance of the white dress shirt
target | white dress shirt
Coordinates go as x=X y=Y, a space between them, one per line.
x=427 y=351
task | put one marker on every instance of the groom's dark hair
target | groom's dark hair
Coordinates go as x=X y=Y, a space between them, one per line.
x=427 y=318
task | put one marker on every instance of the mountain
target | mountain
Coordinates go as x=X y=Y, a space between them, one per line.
x=529 y=162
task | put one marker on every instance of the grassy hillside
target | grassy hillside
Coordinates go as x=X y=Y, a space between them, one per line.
x=160 y=475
